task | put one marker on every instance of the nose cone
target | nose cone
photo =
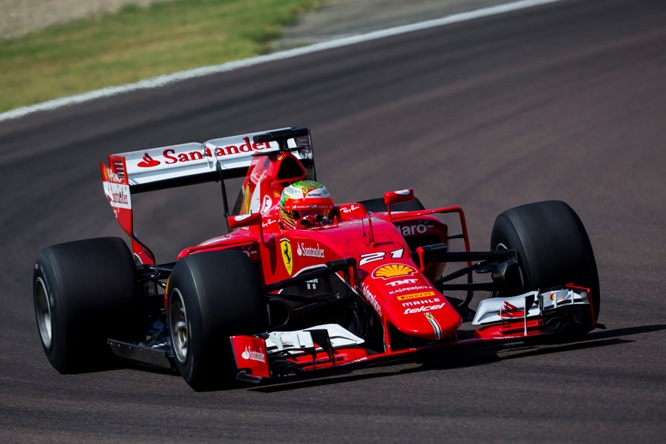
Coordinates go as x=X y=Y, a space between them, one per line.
x=407 y=300
x=435 y=320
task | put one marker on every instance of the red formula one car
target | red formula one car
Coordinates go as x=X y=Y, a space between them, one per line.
x=299 y=284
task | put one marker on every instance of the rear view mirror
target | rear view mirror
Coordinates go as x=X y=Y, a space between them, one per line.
x=394 y=197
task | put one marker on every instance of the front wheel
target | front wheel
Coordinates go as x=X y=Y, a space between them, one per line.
x=212 y=296
x=552 y=248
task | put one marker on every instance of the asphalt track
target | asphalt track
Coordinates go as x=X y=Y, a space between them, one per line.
x=565 y=101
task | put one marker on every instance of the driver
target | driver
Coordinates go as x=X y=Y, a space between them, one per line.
x=305 y=203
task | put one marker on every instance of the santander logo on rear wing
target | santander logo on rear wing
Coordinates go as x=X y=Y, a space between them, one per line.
x=190 y=159
x=188 y=163
x=164 y=164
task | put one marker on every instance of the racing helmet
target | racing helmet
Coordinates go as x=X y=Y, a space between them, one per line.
x=305 y=200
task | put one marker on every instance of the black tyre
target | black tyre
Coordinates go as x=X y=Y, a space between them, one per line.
x=84 y=293
x=377 y=205
x=552 y=247
x=212 y=296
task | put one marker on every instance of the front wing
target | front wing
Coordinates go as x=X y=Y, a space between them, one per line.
x=331 y=347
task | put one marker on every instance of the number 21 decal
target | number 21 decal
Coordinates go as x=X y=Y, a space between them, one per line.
x=371 y=257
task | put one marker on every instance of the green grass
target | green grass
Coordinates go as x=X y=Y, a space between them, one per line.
x=139 y=43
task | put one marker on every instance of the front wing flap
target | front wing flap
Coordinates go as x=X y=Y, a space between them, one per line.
x=526 y=306
x=331 y=346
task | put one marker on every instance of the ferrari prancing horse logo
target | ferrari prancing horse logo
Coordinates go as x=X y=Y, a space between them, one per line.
x=287 y=257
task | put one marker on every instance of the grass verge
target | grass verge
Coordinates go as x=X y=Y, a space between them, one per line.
x=138 y=43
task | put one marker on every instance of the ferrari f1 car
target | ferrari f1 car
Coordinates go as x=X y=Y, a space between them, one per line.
x=374 y=281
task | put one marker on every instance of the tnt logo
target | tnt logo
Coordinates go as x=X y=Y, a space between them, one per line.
x=402 y=282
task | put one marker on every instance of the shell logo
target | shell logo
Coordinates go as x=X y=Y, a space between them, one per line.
x=391 y=271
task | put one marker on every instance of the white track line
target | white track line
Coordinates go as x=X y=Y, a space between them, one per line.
x=160 y=81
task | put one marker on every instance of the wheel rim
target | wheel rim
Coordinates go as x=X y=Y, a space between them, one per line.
x=521 y=274
x=43 y=312
x=179 y=326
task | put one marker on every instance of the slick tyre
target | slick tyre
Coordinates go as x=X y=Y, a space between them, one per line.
x=377 y=205
x=212 y=296
x=84 y=293
x=552 y=247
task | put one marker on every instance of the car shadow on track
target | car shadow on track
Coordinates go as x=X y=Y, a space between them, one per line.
x=468 y=357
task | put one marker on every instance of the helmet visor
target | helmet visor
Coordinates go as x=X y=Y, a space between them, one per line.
x=301 y=214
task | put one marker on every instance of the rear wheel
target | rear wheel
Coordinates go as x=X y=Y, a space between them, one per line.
x=552 y=247
x=212 y=296
x=84 y=293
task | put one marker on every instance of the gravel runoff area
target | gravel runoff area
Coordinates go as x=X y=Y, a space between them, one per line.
x=20 y=17
x=343 y=18
x=338 y=18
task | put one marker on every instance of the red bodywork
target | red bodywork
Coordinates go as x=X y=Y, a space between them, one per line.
x=386 y=276
x=388 y=271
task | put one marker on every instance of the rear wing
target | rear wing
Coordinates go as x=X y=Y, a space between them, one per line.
x=191 y=163
x=195 y=162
